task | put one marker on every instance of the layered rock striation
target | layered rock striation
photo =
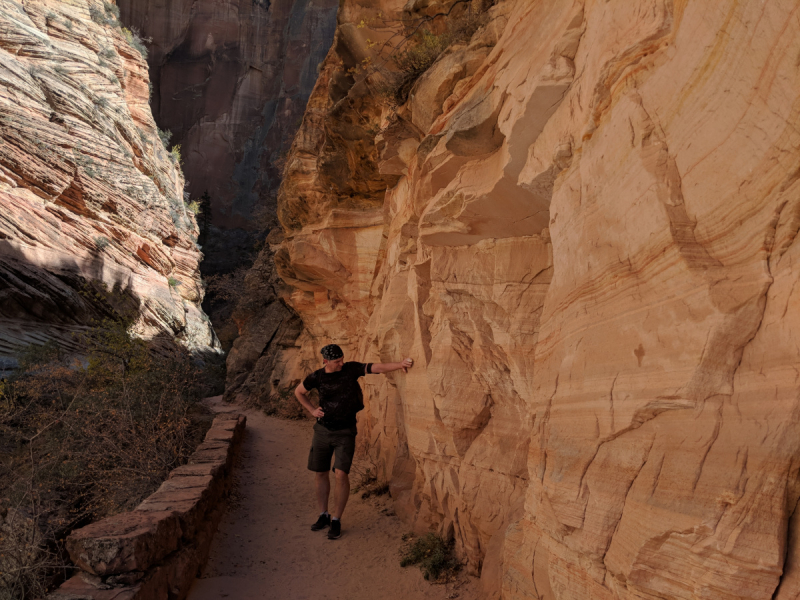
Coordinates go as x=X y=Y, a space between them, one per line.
x=581 y=221
x=93 y=222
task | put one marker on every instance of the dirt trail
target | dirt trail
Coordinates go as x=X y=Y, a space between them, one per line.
x=264 y=548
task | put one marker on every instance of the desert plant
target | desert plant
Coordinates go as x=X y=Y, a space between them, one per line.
x=111 y=9
x=433 y=555
x=229 y=287
x=193 y=206
x=173 y=282
x=165 y=135
x=366 y=479
x=136 y=41
x=175 y=153
x=416 y=44
x=97 y=15
x=83 y=439
x=422 y=52
x=101 y=242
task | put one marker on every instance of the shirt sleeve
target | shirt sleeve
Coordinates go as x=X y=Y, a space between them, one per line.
x=312 y=381
x=356 y=369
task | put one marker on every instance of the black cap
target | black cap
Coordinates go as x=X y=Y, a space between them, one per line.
x=331 y=352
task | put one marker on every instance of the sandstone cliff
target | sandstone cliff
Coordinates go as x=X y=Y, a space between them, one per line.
x=581 y=222
x=231 y=81
x=93 y=221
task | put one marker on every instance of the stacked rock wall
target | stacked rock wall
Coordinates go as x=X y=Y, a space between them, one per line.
x=582 y=225
x=93 y=223
x=156 y=551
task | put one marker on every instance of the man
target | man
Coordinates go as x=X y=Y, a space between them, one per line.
x=340 y=398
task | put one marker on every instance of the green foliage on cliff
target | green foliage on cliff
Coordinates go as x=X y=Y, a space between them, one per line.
x=175 y=153
x=165 y=135
x=81 y=439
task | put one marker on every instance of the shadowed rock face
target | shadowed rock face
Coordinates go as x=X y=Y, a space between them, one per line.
x=93 y=223
x=231 y=81
x=590 y=250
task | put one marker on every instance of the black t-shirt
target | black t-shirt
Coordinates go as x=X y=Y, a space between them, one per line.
x=340 y=395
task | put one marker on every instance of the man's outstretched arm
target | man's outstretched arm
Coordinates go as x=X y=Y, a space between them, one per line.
x=389 y=367
x=301 y=393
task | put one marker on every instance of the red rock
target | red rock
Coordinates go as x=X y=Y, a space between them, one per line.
x=231 y=80
x=591 y=258
x=76 y=588
x=131 y=541
x=88 y=192
x=192 y=470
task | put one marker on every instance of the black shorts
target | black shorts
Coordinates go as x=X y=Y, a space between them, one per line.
x=326 y=442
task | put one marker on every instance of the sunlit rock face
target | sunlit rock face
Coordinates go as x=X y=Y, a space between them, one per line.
x=231 y=81
x=92 y=222
x=581 y=224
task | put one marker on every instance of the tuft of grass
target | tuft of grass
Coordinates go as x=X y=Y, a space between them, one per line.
x=173 y=282
x=193 y=206
x=433 y=555
x=101 y=242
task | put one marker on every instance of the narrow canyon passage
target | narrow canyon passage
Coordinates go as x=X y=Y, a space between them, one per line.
x=265 y=549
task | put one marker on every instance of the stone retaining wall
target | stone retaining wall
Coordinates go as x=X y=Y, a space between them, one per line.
x=155 y=551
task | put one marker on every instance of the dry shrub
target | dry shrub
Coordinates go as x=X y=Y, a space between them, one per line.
x=433 y=554
x=423 y=45
x=228 y=287
x=365 y=471
x=80 y=440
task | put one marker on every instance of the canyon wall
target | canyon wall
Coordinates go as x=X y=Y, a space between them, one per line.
x=230 y=82
x=93 y=222
x=581 y=223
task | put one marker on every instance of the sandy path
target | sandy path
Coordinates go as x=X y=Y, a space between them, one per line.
x=264 y=548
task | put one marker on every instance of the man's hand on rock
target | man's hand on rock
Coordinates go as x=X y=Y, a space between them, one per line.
x=407 y=364
x=318 y=413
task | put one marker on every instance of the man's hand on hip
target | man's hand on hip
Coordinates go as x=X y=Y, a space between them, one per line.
x=318 y=413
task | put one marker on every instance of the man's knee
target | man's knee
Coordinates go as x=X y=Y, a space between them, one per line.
x=321 y=474
x=341 y=475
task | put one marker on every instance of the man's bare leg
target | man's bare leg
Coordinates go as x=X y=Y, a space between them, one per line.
x=323 y=491
x=342 y=493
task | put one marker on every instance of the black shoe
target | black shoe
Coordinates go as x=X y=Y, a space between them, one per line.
x=335 y=532
x=323 y=521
